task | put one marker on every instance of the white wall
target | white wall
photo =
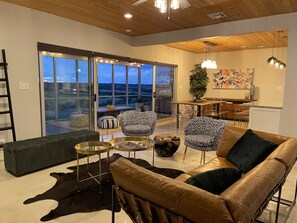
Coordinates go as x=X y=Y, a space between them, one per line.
x=22 y=28
x=269 y=82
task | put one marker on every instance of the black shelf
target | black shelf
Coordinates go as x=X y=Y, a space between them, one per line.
x=4 y=112
x=7 y=126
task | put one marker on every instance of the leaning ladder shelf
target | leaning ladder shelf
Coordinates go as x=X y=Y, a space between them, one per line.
x=7 y=96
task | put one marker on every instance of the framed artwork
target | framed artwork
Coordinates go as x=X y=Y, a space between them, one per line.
x=233 y=79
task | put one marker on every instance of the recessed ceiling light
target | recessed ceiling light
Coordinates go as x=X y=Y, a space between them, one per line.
x=128 y=30
x=128 y=16
x=261 y=46
x=243 y=46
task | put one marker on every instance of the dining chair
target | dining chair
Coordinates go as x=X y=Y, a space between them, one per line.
x=186 y=113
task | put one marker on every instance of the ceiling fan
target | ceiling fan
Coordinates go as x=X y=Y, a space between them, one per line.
x=181 y=3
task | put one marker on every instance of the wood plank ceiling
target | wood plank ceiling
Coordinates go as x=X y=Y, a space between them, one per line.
x=108 y=14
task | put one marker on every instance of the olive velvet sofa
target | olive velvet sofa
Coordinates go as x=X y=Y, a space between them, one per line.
x=145 y=195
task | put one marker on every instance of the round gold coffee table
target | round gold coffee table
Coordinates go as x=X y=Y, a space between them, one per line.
x=92 y=148
x=133 y=144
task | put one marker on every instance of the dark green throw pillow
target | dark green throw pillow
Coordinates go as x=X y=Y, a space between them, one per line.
x=249 y=151
x=215 y=181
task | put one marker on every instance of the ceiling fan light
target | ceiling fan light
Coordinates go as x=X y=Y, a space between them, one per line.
x=174 y=4
x=157 y=3
x=163 y=6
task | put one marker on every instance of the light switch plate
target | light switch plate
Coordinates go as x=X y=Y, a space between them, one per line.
x=24 y=86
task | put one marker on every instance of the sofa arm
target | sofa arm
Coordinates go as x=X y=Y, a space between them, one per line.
x=180 y=198
x=247 y=195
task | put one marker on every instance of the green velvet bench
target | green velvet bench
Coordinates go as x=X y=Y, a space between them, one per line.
x=24 y=156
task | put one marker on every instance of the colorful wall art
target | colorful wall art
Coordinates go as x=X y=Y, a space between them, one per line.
x=233 y=79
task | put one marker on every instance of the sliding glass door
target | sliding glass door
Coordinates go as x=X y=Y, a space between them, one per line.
x=124 y=84
x=164 y=86
x=71 y=101
x=66 y=90
x=145 y=87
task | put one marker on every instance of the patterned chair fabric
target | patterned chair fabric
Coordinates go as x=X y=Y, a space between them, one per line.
x=204 y=133
x=136 y=123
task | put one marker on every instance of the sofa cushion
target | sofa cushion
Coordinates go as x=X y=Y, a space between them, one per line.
x=249 y=151
x=215 y=181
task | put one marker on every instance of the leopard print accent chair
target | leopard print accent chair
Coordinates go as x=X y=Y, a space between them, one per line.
x=136 y=123
x=204 y=134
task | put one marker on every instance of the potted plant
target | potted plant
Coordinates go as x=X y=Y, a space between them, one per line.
x=198 y=82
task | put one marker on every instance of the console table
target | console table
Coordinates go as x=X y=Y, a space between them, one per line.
x=231 y=106
x=113 y=112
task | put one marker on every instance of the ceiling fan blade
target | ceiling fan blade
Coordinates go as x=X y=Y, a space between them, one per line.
x=138 y=2
x=184 y=4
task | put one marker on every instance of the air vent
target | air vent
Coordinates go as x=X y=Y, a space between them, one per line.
x=217 y=15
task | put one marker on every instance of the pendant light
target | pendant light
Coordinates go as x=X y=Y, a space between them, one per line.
x=274 y=61
x=271 y=60
x=208 y=63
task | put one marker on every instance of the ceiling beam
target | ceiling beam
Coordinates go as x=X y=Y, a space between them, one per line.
x=268 y=23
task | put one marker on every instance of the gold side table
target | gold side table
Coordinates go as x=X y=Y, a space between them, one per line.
x=133 y=144
x=92 y=148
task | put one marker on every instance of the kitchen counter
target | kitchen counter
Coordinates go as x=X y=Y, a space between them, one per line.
x=264 y=115
x=264 y=104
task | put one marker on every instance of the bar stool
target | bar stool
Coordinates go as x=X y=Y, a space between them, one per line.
x=242 y=119
x=107 y=122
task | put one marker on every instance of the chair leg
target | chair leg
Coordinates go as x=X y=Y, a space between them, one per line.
x=185 y=152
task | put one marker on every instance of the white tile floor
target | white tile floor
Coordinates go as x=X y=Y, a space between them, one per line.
x=14 y=190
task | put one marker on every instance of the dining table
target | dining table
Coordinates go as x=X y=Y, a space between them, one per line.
x=200 y=106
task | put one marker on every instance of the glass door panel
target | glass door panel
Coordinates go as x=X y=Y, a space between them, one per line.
x=105 y=84
x=49 y=88
x=164 y=90
x=67 y=86
x=146 y=85
x=120 y=85
x=133 y=87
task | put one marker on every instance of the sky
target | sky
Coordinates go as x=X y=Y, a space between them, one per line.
x=66 y=72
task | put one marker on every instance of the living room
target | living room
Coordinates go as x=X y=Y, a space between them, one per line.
x=22 y=28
